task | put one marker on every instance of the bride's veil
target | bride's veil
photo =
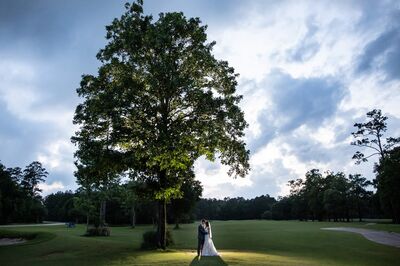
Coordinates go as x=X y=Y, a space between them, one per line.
x=209 y=230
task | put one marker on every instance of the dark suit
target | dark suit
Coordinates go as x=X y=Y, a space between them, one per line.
x=201 y=232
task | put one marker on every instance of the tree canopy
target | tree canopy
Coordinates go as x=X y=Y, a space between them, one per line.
x=370 y=135
x=20 y=195
x=159 y=101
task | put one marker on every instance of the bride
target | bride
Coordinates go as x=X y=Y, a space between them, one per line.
x=208 y=247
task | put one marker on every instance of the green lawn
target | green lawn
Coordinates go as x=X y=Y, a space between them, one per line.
x=239 y=242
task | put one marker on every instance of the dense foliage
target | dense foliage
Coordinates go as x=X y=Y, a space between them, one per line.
x=370 y=135
x=388 y=183
x=125 y=206
x=329 y=196
x=150 y=240
x=234 y=208
x=20 y=199
x=159 y=101
x=60 y=207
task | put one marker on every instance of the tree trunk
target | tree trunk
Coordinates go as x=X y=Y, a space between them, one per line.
x=162 y=214
x=87 y=221
x=102 y=216
x=162 y=224
x=176 y=223
x=133 y=216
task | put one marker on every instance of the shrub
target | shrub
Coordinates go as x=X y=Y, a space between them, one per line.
x=150 y=239
x=98 y=231
x=267 y=215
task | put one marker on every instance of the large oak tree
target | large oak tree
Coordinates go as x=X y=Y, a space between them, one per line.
x=160 y=101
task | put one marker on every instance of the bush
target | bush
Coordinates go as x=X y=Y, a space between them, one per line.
x=267 y=215
x=98 y=231
x=150 y=239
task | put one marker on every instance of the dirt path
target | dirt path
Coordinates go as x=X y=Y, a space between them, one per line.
x=381 y=237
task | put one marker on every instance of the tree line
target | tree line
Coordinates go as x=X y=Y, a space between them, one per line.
x=124 y=204
x=328 y=196
x=20 y=198
x=332 y=196
x=63 y=206
x=234 y=208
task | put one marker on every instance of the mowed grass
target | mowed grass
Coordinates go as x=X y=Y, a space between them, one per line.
x=239 y=243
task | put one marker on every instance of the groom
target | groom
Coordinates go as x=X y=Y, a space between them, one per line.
x=201 y=232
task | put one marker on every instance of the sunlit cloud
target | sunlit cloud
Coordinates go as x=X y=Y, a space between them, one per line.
x=51 y=187
x=308 y=72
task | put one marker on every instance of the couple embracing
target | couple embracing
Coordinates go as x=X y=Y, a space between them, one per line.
x=205 y=246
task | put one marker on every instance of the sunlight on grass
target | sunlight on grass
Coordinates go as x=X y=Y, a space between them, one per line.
x=183 y=257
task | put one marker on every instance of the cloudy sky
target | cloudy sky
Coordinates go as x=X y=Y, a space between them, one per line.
x=308 y=71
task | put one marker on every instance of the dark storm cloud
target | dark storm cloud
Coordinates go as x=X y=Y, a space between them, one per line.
x=47 y=27
x=58 y=39
x=383 y=53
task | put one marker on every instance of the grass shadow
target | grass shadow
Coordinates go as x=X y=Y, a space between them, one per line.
x=209 y=261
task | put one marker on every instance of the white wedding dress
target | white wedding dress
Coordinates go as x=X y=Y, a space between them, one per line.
x=208 y=247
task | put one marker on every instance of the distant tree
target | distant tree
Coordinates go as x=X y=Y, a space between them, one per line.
x=282 y=209
x=314 y=192
x=336 y=196
x=84 y=202
x=332 y=203
x=388 y=180
x=61 y=207
x=299 y=200
x=234 y=208
x=257 y=206
x=328 y=196
x=129 y=198
x=20 y=198
x=33 y=175
x=191 y=193
x=267 y=215
x=209 y=209
x=9 y=193
x=370 y=135
x=359 y=193
x=98 y=166
x=162 y=100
